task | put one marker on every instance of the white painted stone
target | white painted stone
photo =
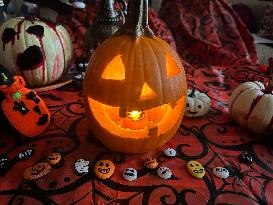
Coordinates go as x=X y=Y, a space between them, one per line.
x=130 y=174
x=164 y=172
x=221 y=172
x=170 y=152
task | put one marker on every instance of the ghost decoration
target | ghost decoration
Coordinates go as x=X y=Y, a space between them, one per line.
x=198 y=104
x=82 y=166
x=130 y=174
x=221 y=172
x=164 y=172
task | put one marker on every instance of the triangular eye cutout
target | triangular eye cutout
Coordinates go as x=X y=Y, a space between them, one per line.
x=114 y=70
x=147 y=92
x=171 y=67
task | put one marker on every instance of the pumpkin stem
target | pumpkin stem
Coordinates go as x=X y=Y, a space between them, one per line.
x=136 y=21
x=269 y=87
x=192 y=94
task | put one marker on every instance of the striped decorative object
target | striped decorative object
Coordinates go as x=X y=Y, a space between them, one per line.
x=251 y=105
x=38 y=50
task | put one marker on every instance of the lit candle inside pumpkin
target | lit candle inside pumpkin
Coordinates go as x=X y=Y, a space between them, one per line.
x=135 y=115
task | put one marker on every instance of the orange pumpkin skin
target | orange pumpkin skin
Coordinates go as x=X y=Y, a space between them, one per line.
x=146 y=61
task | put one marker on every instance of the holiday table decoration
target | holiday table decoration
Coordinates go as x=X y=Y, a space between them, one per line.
x=135 y=87
x=24 y=110
x=39 y=51
x=198 y=103
x=251 y=105
x=106 y=23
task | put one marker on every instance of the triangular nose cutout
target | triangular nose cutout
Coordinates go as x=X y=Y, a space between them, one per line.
x=147 y=92
x=114 y=70
x=171 y=66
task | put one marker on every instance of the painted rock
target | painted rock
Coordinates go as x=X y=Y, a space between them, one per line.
x=245 y=158
x=221 y=172
x=25 y=154
x=130 y=174
x=150 y=163
x=169 y=152
x=82 y=166
x=104 y=169
x=164 y=172
x=36 y=171
x=196 y=169
x=55 y=159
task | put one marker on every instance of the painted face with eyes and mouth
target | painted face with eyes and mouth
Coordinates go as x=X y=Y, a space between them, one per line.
x=130 y=174
x=151 y=163
x=36 y=171
x=164 y=172
x=38 y=50
x=196 y=169
x=104 y=169
x=169 y=152
x=197 y=105
x=221 y=172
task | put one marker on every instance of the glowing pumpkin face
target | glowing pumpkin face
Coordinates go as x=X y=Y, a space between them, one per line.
x=134 y=92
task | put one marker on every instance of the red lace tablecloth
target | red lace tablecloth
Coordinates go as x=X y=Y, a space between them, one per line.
x=213 y=140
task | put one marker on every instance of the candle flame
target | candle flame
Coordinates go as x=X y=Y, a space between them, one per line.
x=135 y=115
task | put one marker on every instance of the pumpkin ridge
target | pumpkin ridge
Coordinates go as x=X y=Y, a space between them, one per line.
x=253 y=104
x=236 y=98
x=154 y=53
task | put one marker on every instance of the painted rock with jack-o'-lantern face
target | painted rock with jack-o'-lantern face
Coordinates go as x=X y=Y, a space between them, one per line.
x=196 y=169
x=36 y=171
x=151 y=163
x=104 y=169
x=54 y=159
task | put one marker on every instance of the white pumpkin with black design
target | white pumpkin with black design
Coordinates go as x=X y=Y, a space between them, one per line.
x=251 y=105
x=38 y=50
x=198 y=103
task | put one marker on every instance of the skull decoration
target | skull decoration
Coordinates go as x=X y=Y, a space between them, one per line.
x=40 y=51
x=198 y=104
x=135 y=88
x=164 y=172
x=82 y=166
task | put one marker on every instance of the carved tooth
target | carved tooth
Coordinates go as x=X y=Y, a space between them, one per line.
x=122 y=112
x=153 y=130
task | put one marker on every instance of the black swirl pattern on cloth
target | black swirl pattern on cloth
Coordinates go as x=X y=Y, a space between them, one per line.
x=213 y=140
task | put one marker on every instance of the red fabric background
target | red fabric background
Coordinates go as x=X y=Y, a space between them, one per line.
x=209 y=27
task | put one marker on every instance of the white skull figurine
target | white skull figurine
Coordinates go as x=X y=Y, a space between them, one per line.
x=197 y=105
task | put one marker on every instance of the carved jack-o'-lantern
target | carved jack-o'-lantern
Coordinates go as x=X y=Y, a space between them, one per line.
x=135 y=87
x=40 y=51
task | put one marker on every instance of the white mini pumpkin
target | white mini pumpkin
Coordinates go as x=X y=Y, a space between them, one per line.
x=251 y=105
x=198 y=104
x=40 y=51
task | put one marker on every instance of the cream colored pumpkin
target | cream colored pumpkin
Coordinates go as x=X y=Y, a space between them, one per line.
x=252 y=108
x=197 y=105
x=41 y=52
